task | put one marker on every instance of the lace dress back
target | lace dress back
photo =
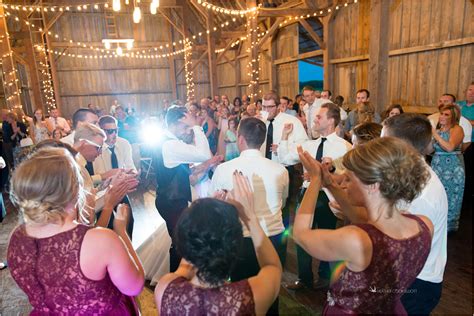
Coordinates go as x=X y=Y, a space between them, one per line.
x=394 y=266
x=48 y=271
x=183 y=298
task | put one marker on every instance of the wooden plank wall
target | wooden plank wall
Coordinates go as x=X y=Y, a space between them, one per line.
x=233 y=84
x=143 y=83
x=418 y=76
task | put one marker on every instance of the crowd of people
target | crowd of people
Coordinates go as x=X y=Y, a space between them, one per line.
x=378 y=192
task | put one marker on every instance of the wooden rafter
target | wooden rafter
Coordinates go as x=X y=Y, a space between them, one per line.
x=200 y=60
x=171 y=22
x=226 y=48
x=312 y=33
x=53 y=20
x=273 y=29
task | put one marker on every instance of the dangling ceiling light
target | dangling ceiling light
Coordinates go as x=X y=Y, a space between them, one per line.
x=154 y=5
x=137 y=15
x=116 y=5
x=119 y=51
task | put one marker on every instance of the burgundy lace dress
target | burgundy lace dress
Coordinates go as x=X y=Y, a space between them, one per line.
x=394 y=266
x=183 y=298
x=48 y=271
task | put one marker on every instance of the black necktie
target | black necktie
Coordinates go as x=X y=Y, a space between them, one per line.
x=90 y=168
x=113 y=158
x=319 y=153
x=268 y=149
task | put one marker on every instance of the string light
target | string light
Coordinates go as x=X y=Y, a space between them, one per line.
x=111 y=54
x=137 y=14
x=227 y=11
x=188 y=71
x=53 y=8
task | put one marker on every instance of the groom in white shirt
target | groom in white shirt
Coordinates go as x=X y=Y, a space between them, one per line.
x=269 y=181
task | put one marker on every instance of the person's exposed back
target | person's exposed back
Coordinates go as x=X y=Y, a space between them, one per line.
x=65 y=267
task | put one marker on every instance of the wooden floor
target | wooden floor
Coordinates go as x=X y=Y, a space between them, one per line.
x=457 y=288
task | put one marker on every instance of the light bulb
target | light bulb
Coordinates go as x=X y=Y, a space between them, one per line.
x=119 y=51
x=137 y=15
x=127 y=2
x=107 y=45
x=153 y=8
x=129 y=45
x=116 y=5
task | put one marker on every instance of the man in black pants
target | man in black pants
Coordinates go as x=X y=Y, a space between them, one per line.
x=172 y=159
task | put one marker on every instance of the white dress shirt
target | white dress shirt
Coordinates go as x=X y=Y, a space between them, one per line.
x=176 y=152
x=334 y=148
x=463 y=122
x=69 y=139
x=269 y=181
x=297 y=136
x=123 y=151
x=60 y=122
x=433 y=203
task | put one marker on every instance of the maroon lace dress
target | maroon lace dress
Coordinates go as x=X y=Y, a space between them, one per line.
x=394 y=266
x=48 y=271
x=183 y=298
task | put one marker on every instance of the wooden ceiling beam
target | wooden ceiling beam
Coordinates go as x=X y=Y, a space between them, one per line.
x=273 y=29
x=314 y=36
x=226 y=48
x=53 y=20
x=269 y=13
x=171 y=22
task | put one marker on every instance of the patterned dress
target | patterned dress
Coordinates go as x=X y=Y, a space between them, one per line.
x=48 y=271
x=183 y=298
x=377 y=289
x=449 y=167
x=231 y=149
x=41 y=133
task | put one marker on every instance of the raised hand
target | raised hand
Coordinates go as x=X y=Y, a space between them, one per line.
x=287 y=129
x=121 y=218
x=311 y=165
x=189 y=119
x=242 y=198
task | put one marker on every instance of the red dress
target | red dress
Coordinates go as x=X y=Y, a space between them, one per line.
x=183 y=298
x=394 y=266
x=48 y=271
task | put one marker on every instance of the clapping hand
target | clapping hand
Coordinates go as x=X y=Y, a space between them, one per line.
x=121 y=218
x=287 y=129
x=242 y=198
x=311 y=165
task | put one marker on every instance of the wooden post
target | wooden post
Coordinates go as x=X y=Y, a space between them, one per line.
x=32 y=68
x=172 y=68
x=211 y=47
x=327 y=52
x=378 y=53
x=10 y=78
x=273 y=67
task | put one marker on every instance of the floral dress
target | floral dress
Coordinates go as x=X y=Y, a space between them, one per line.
x=449 y=167
x=231 y=149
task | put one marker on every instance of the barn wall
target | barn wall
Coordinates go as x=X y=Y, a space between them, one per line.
x=417 y=73
x=142 y=83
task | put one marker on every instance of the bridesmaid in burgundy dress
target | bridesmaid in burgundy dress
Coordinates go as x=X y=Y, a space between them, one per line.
x=208 y=236
x=387 y=249
x=65 y=267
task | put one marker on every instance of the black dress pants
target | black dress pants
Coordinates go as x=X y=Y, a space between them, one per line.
x=171 y=210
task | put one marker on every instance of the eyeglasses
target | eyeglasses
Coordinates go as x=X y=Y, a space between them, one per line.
x=111 y=131
x=268 y=106
x=89 y=142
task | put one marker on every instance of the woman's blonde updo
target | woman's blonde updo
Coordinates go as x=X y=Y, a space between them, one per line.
x=45 y=184
x=396 y=166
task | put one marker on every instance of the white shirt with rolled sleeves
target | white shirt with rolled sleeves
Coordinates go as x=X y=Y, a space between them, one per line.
x=463 y=122
x=298 y=136
x=433 y=203
x=334 y=148
x=269 y=181
x=59 y=122
x=123 y=151
x=176 y=152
